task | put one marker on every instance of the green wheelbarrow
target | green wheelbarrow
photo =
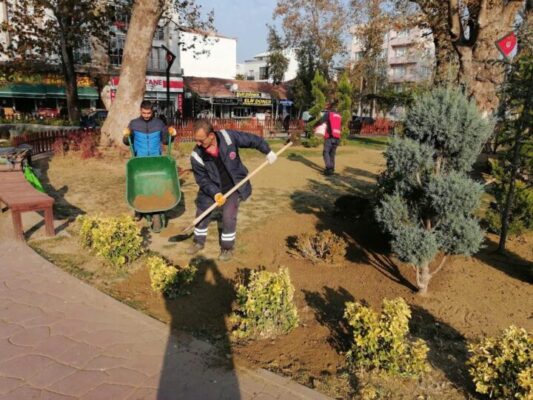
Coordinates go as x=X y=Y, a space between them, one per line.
x=152 y=186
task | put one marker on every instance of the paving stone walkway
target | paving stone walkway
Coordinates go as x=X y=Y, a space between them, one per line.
x=62 y=339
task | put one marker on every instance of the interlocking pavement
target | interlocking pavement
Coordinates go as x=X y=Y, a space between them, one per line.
x=63 y=339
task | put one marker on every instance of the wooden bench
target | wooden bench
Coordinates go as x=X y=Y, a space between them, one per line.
x=19 y=196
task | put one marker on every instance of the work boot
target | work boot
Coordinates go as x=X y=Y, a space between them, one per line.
x=328 y=171
x=195 y=248
x=225 y=255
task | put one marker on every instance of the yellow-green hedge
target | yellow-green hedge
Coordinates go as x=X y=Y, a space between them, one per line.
x=265 y=306
x=117 y=239
x=168 y=279
x=502 y=367
x=381 y=341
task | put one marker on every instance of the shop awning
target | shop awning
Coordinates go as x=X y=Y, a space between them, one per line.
x=27 y=91
x=88 y=93
x=22 y=90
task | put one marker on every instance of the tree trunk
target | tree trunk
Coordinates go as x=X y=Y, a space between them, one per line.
x=71 y=85
x=100 y=70
x=480 y=72
x=423 y=276
x=145 y=15
x=515 y=164
x=477 y=53
x=445 y=59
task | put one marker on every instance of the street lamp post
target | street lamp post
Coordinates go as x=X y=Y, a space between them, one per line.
x=170 y=57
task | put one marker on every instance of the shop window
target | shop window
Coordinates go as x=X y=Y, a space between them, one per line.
x=241 y=112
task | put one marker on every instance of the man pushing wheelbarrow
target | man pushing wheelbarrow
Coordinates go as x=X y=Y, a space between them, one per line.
x=223 y=180
x=152 y=185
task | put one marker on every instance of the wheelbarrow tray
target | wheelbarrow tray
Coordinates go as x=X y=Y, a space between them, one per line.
x=152 y=184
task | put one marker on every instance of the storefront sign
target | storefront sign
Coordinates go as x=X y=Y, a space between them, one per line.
x=179 y=103
x=46 y=79
x=256 y=102
x=157 y=83
x=285 y=102
x=248 y=94
x=226 y=100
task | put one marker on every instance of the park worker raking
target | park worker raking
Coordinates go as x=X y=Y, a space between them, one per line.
x=217 y=167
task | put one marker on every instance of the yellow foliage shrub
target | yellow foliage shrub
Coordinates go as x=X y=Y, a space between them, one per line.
x=117 y=239
x=502 y=367
x=265 y=306
x=323 y=246
x=168 y=279
x=381 y=342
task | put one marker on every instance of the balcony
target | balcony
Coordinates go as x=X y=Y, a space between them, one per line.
x=406 y=59
x=406 y=78
x=402 y=41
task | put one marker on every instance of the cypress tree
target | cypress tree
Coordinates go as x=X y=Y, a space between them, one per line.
x=344 y=94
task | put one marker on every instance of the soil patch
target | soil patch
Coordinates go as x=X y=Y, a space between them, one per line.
x=469 y=298
x=149 y=203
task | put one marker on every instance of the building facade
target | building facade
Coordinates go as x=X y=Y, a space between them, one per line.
x=256 y=69
x=213 y=56
x=409 y=55
x=230 y=98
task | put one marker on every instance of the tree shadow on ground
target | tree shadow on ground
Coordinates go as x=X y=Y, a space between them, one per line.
x=203 y=312
x=447 y=347
x=305 y=161
x=328 y=307
x=510 y=263
x=63 y=210
x=342 y=205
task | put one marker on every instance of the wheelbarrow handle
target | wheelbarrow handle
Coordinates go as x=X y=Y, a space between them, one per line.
x=169 y=146
x=131 y=146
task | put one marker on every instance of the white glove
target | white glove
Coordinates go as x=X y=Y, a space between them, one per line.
x=271 y=157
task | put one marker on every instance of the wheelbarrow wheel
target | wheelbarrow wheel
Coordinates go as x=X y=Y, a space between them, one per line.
x=157 y=223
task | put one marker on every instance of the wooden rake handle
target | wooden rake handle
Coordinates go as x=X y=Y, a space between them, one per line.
x=233 y=189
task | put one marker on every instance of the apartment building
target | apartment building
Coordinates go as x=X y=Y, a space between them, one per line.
x=256 y=69
x=409 y=55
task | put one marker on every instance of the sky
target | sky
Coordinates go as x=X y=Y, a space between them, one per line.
x=244 y=20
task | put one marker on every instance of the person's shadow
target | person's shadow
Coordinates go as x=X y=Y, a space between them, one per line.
x=193 y=369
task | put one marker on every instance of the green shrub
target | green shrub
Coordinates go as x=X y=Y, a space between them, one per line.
x=502 y=367
x=323 y=246
x=313 y=141
x=117 y=239
x=168 y=279
x=265 y=306
x=381 y=342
